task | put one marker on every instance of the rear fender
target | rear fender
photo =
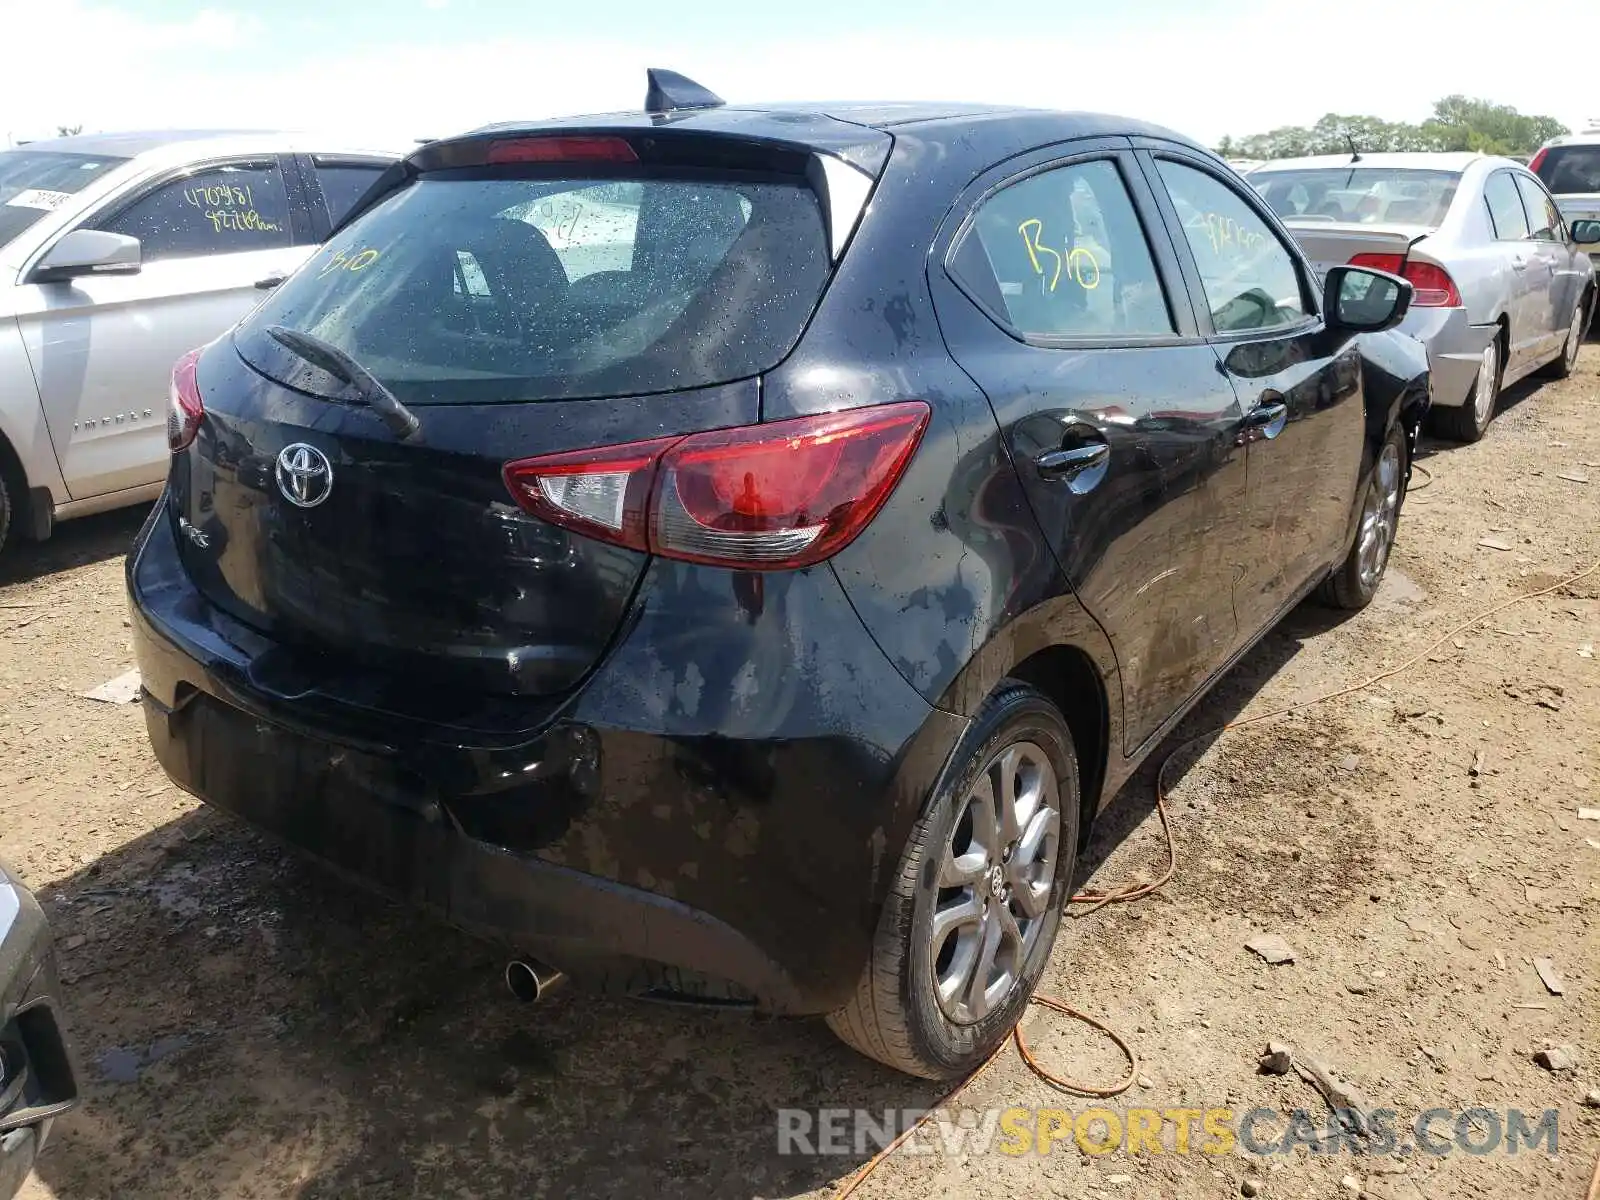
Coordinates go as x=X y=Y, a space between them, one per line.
x=27 y=454
x=1395 y=391
x=1057 y=623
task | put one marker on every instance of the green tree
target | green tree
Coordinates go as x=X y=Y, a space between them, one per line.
x=1457 y=123
x=1460 y=123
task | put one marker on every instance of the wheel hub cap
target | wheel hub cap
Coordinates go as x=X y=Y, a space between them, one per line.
x=1379 y=514
x=1483 y=393
x=996 y=882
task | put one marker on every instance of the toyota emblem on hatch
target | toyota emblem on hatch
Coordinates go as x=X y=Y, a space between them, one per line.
x=305 y=476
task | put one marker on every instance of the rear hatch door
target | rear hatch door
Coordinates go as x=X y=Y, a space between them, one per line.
x=519 y=296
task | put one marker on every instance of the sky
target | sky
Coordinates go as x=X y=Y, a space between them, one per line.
x=390 y=71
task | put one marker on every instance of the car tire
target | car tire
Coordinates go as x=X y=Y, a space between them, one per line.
x=1354 y=583
x=1468 y=422
x=5 y=512
x=967 y=883
x=1561 y=366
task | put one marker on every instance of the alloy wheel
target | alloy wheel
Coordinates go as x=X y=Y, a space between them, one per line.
x=1483 y=392
x=1575 y=333
x=996 y=875
x=1379 y=515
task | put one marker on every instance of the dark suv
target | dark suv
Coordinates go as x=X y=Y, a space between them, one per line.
x=732 y=553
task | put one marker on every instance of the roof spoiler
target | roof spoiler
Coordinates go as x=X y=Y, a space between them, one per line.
x=669 y=91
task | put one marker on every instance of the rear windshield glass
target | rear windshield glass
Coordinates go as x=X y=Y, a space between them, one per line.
x=474 y=289
x=1363 y=195
x=35 y=182
x=1567 y=169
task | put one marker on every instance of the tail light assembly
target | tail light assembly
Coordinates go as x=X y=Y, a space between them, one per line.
x=759 y=497
x=184 y=406
x=1433 y=287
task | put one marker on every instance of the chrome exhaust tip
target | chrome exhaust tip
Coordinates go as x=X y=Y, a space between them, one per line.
x=530 y=980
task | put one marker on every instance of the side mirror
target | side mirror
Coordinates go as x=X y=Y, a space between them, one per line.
x=1364 y=300
x=1585 y=232
x=89 y=252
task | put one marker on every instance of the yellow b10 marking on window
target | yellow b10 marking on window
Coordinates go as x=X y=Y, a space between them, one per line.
x=1073 y=265
x=340 y=261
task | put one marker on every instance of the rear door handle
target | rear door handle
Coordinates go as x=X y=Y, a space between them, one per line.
x=1058 y=464
x=1081 y=467
x=1519 y=264
x=1267 y=419
x=270 y=282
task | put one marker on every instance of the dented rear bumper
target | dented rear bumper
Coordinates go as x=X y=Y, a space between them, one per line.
x=723 y=801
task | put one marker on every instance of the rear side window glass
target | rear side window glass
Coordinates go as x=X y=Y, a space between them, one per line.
x=226 y=210
x=1571 y=169
x=1250 y=277
x=1505 y=207
x=1062 y=254
x=1542 y=212
x=474 y=289
x=345 y=183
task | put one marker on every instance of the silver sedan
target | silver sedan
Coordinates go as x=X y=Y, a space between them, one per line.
x=1502 y=290
x=118 y=253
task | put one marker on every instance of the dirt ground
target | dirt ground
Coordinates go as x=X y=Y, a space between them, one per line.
x=249 y=1027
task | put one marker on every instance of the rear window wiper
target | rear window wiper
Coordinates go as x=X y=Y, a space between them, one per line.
x=346 y=369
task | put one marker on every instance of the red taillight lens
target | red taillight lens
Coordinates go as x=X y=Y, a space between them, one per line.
x=764 y=497
x=1533 y=163
x=1433 y=286
x=184 y=406
x=1379 y=262
x=785 y=494
x=565 y=149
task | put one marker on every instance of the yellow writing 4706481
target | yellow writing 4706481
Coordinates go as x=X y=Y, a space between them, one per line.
x=1078 y=264
x=338 y=260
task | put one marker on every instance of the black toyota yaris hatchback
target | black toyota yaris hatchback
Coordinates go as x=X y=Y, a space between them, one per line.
x=733 y=552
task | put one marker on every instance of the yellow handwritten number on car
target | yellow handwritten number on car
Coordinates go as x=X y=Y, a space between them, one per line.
x=1080 y=265
x=1224 y=231
x=340 y=261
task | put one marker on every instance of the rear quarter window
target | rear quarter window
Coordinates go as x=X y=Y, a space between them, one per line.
x=474 y=289
x=345 y=183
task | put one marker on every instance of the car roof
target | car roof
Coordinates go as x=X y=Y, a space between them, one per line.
x=132 y=143
x=178 y=143
x=1421 y=160
x=894 y=114
x=1588 y=137
x=888 y=114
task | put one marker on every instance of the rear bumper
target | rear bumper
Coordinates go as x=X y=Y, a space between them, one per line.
x=724 y=800
x=33 y=1040
x=1455 y=348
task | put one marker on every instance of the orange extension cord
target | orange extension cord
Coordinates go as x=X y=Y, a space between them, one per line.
x=1129 y=892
